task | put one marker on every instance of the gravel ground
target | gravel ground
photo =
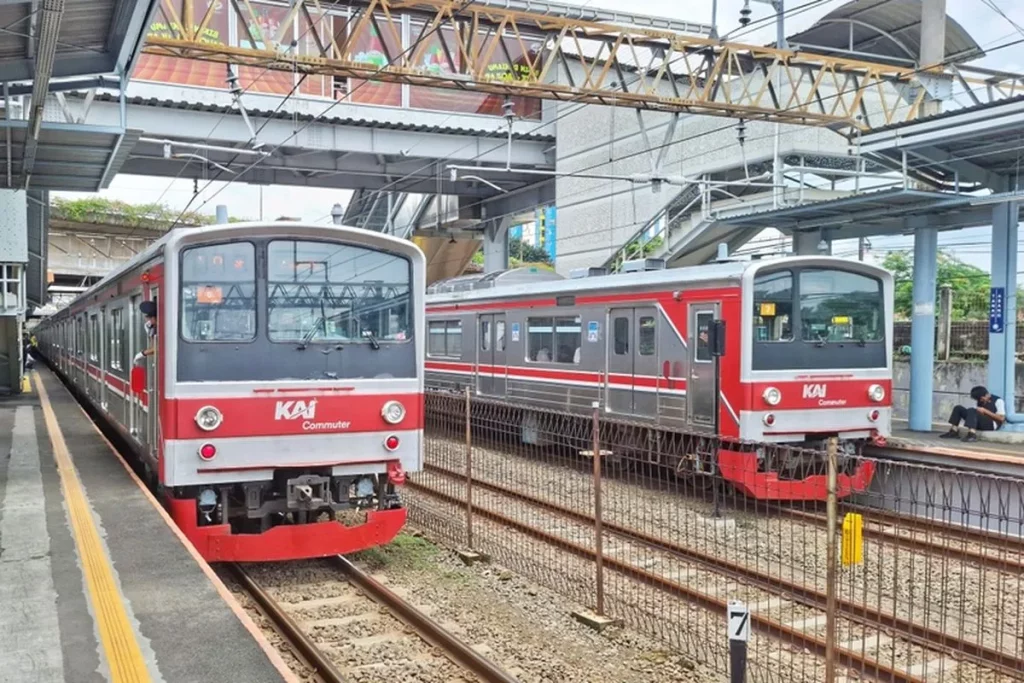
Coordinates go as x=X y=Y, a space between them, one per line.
x=942 y=592
x=523 y=627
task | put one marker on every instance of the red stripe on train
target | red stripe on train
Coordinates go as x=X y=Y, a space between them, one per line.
x=270 y=416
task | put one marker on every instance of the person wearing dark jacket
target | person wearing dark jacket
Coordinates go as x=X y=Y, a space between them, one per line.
x=989 y=415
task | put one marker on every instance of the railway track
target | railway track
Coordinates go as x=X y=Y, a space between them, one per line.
x=363 y=631
x=787 y=609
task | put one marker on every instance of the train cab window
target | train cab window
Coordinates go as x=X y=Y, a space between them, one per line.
x=218 y=293
x=647 y=336
x=837 y=306
x=334 y=292
x=773 y=307
x=485 y=335
x=444 y=338
x=553 y=340
x=620 y=336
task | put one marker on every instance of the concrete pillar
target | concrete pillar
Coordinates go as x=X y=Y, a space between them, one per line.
x=13 y=250
x=496 y=245
x=933 y=45
x=806 y=244
x=38 y=223
x=1002 y=359
x=222 y=214
x=922 y=328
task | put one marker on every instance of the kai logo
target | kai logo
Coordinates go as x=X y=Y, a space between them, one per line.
x=815 y=390
x=293 y=410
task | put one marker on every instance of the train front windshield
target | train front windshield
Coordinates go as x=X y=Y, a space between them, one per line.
x=812 y=318
x=286 y=309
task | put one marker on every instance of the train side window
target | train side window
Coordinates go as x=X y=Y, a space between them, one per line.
x=553 y=340
x=620 y=335
x=116 y=338
x=94 y=338
x=444 y=338
x=499 y=335
x=702 y=354
x=485 y=335
x=646 y=338
x=773 y=307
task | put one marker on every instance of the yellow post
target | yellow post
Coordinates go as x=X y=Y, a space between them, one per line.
x=853 y=539
x=26 y=387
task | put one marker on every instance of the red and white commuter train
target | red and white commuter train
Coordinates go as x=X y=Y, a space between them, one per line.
x=282 y=401
x=786 y=351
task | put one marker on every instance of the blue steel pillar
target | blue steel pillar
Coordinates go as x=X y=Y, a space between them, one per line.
x=922 y=328
x=1002 y=359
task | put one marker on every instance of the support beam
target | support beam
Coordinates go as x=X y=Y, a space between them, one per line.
x=496 y=245
x=807 y=243
x=922 y=328
x=1002 y=345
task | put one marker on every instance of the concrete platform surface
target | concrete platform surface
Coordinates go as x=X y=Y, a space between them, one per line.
x=83 y=544
x=928 y=449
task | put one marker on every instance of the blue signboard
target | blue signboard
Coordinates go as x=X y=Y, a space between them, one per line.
x=551 y=236
x=996 y=310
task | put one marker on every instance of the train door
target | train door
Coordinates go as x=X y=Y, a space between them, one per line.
x=492 y=367
x=701 y=389
x=153 y=385
x=136 y=338
x=632 y=352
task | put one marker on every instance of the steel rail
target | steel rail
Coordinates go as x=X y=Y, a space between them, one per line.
x=775 y=629
x=456 y=650
x=289 y=629
x=919 y=634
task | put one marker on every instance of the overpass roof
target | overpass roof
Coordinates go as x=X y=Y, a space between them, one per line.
x=93 y=36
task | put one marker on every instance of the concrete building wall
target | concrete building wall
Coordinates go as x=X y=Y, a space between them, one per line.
x=596 y=216
x=953 y=382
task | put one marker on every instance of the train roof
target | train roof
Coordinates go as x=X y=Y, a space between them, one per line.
x=719 y=271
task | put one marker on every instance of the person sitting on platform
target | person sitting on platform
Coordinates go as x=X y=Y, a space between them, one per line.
x=988 y=415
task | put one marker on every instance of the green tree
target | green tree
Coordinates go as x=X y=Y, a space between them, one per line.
x=970 y=285
x=519 y=252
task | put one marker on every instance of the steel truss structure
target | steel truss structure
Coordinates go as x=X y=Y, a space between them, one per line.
x=575 y=60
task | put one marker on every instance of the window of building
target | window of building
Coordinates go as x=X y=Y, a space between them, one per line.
x=620 y=336
x=646 y=340
x=444 y=338
x=552 y=340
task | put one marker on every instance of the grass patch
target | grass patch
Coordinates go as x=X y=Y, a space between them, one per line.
x=406 y=551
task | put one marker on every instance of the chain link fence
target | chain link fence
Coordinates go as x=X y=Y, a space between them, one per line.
x=916 y=578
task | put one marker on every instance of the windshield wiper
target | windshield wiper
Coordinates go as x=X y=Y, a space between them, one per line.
x=373 y=340
x=319 y=322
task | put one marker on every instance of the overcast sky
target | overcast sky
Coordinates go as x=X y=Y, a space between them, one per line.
x=978 y=17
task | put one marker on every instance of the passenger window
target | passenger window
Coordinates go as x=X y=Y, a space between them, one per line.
x=553 y=340
x=647 y=336
x=499 y=333
x=702 y=353
x=773 y=307
x=620 y=336
x=485 y=335
x=444 y=338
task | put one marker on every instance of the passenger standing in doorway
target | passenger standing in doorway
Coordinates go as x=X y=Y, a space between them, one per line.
x=148 y=309
x=988 y=415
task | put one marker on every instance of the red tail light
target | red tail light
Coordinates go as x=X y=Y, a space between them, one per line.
x=874 y=415
x=391 y=443
x=769 y=419
x=396 y=475
x=207 y=451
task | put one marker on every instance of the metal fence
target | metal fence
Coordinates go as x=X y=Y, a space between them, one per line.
x=915 y=579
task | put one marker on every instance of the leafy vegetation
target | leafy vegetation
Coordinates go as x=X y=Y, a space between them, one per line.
x=407 y=550
x=970 y=285
x=101 y=210
x=519 y=254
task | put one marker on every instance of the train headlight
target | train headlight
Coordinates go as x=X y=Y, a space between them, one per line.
x=393 y=412
x=208 y=418
x=772 y=396
x=876 y=392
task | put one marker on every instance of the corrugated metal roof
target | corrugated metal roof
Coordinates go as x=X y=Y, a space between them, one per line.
x=884 y=28
x=76 y=161
x=361 y=122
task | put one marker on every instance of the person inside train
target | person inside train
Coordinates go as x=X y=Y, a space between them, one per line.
x=988 y=415
x=148 y=310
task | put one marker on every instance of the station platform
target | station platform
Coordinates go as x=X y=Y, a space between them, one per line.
x=96 y=583
x=927 y=448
